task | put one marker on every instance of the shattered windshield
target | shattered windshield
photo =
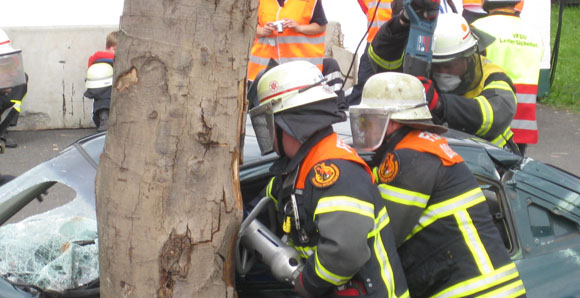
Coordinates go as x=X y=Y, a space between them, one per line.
x=56 y=250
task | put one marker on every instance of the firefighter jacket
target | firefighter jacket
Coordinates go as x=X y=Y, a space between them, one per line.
x=379 y=13
x=486 y=110
x=12 y=100
x=288 y=45
x=447 y=241
x=519 y=51
x=102 y=56
x=344 y=232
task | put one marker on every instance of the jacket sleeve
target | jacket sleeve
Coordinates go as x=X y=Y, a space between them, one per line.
x=387 y=49
x=486 y=115
x=407 y=195
x=344 y=216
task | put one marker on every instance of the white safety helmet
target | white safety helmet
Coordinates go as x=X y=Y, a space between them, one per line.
x=283 y=88
x=389 y=96
x=452 y=38
x=99 y=75
x=11 y=66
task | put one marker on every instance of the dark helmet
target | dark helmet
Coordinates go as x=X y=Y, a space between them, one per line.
x=493 y=4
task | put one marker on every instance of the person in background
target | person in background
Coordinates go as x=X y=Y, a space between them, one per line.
x=99 y=81
x=108 y=55
x=328 y=206
x=472 y=10
x=519 y=51
x=378 y=12
x=446 y=238
x=334 y=79
x=13 y=88
x=287 y=30
x=467 y=90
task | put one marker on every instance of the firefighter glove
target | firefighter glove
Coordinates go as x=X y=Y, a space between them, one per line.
x=425 y=9
x=431 y=94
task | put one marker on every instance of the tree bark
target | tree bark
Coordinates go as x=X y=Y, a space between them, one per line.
x=168 y=194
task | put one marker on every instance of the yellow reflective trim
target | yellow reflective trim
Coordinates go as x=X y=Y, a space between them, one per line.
x=269 y=191
x=480 y=283
x=486 y=115
x=345 y=204
x=386 y=269
x=305 y=251
x=503 y=85
x=17 y=104
x=474 y=243
x=405 y=295
x=514 y=289
x=501 y=140
x=391 y=65
x=381 y=222
x=376 y=174
x=446 y=208
x=403 y=196
x=328 y=276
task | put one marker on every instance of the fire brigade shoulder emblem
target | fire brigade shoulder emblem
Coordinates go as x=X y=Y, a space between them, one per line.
x=325 y=175
x=389 y=168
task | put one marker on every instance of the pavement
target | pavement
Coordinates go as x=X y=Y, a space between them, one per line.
x=558 y=145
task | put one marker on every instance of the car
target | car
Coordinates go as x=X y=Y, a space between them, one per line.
x=535 y=206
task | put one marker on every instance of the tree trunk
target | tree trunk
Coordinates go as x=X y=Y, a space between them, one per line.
x=168 y=194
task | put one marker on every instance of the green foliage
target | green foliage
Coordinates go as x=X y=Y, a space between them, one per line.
x=565 y=89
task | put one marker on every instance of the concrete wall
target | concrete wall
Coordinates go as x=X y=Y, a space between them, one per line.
x=55 y=59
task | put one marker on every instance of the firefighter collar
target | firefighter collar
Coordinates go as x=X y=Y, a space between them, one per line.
x=389 y=144
x=285 y=165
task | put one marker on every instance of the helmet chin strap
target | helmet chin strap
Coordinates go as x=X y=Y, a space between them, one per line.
x=279 y=135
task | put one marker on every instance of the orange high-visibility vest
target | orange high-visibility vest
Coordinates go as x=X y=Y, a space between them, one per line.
x=472 y=3
x=520 y=6
x=382 y=12
x=288 y=45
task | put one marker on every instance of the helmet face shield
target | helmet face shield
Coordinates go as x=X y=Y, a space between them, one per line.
x=262 y=118
x=11 y=70
x=368 y=127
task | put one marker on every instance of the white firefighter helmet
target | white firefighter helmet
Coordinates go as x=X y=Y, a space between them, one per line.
x=389 y=96
x=5 y=43
x=11 y=66
x=283 y=88
x=452 y=38
x=99 y=75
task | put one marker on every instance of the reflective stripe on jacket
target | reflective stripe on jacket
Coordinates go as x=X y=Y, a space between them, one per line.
x=447 y=241
x=288 y=45
x=519 y=51
x=491 y=106
x=486 y=110
x=381 y=11
x=346 y=223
